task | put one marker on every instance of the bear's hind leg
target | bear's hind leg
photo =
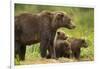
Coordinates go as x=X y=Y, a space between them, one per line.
x=22 y=52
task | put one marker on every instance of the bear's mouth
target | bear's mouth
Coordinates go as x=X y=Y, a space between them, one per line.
x=71 y=27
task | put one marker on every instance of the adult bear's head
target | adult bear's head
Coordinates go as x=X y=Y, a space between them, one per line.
x=60 y=19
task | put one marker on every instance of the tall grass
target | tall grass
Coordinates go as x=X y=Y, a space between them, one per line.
x=33 y=51
x=82 y=17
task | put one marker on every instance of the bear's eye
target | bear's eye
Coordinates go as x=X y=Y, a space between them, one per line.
x=60 y=14
x=69 y=19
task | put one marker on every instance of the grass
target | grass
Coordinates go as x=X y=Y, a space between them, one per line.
x=82 y=17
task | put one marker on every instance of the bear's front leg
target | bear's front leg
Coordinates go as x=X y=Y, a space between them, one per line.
x=52 y=50
x=43 y=47
x=52 y=53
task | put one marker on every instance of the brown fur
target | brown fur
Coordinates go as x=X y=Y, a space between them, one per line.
x=76 y=45
x=62 y=48
x=40 y=27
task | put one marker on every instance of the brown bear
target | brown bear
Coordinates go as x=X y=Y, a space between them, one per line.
x=40 y=27
x=62 y=48
x=76 y=44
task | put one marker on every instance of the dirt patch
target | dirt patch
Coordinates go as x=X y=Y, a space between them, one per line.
x=47 y=61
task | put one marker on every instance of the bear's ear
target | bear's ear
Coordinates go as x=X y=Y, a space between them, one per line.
x=60 y=15
x=46 y=13
x=58 y=33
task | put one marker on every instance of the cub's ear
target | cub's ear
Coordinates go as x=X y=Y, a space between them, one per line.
x=58 y=33
x=83 y=40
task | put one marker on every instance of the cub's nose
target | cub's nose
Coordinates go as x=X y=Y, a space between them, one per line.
x=65 y=37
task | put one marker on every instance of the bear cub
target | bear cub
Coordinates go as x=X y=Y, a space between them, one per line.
x=62 y=48
x=68 y=46
x=76 y=44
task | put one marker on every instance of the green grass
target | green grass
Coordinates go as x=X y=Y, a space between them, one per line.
x=82 y=17
x=33 y=51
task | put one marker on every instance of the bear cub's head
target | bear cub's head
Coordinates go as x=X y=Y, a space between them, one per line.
x=83 y=43
x=61 y=36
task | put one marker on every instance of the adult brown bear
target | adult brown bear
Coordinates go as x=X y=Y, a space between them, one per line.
x=40 y=27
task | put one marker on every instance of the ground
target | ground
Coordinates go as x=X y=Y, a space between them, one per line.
x=33 y=57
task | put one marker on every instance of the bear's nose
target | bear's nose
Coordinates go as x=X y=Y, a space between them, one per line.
x=74 y=26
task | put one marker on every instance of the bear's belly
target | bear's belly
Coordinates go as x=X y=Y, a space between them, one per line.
x=30 y=38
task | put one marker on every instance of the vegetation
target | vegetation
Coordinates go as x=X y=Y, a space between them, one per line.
x=82 y=17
